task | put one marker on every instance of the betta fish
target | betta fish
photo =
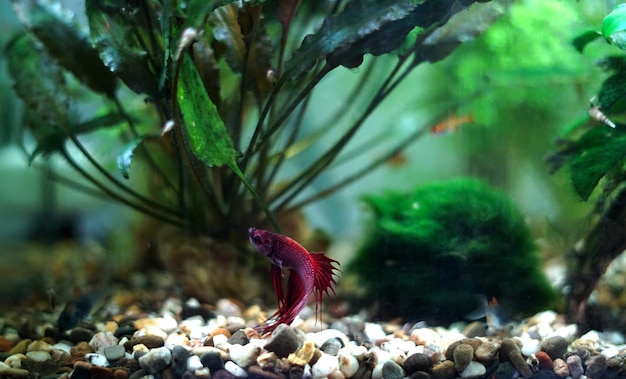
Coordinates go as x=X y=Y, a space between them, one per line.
x=308 y=273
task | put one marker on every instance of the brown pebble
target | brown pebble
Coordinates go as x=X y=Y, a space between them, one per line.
x=475 y=329
x=560 y=368
x=79 y=351
x=21 y=347
x=84 y=364
x=545 y=362
x=257 y=372
x=520 y=364
x=473 y=342
x=450 y=349
x=5 y=345
x=420 y=375
x=506 y=347
x=443 y=370
x=120 y=374
x=462 y=355
x=98 y=372
x=486 y=352
x=151 y=342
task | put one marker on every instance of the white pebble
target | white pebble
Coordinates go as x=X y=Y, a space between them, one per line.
x=374 y=332
x=194 y=363
x=63 y=346
x=377 y=372
x=530 y=347
x=610 y=352
x=102 y=340
x=39 y=356
x=156 y=360
x=348 y=364
x=381 y=355
x=324 y=366
x=15 y=360
x=473 y=370
x=244 y=356
x=97 y=359
x=423 y=336
x=231 y=367
x=220 y=339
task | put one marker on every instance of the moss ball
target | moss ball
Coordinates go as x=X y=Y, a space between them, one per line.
x=430 y=254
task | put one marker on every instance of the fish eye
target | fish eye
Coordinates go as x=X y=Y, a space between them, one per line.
x=256 y=239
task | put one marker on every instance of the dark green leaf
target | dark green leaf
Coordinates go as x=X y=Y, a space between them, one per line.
x=597 y=152
x=58 y=31
x=198 y=10
x=128 y=41
x=39 y=82
x=364 y=26
x=614 y=26
x=204 y=127
x=462 y=27
x=583 y=39
x=226 y=31
x=614 y=63
x=612 y=93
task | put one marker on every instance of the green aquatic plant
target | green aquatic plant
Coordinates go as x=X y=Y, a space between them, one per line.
x=432 y=252
x=593 y=149
x=189 y=111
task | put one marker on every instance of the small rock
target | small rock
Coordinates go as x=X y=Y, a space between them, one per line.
x=212 y=360
x=555 y=347
x=560 y=368
x=180 y=356
x=79 y=350
x=575 y=366
x=475 y=329
x=520 y=364
x=303 y=355
x=258 y=373
x=416 y=362
x=505 y=371
x=596 y=366
x=97 y=359
x=331 y=346
x=462 y=356
x=544 y=374
x=348 y=364
x=237 y=371
x=486 y=352
x=473 y=370
x=115 y=352
x=270 y=361
x=506 y=347
x=156 y=360
x=324 y=366
x=80 y=334
x=39 y=356
x=81 y=371
x=422 y=336
x=102 y=340
x=377 y=372
x=98 y=372
x=125 y=331
x=283 y=341
x=39 y=345
x=20 y=347
x=15 y=360
x=392 y=370
x=530 y=347
x=137 y=374
x=545 y=363
x=443 y=370
x=151 y=342
x=239 y=338
x=244 y=356
x=120 y=374
x=420 y=375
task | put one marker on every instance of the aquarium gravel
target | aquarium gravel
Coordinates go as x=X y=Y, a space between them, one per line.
x=192 y=340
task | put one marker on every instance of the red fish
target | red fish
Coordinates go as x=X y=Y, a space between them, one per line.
x=451 y=124
x=308 y=273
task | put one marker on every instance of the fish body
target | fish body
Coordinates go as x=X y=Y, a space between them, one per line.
x=491 y=311
x=77 y=309
x=308 y=273
x=451 y=124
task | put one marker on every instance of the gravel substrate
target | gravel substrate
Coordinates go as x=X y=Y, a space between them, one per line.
x=194 y=341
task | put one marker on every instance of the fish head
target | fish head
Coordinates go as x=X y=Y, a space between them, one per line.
x=261 y=240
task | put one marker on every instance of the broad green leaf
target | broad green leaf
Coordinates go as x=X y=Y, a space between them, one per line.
x=128 y=41
x=204 y=127
x=614 y=26
x=39 y=82
x=583 y=39
x=59 y=33
x=597 y=152
x=612 y=93
x=198 y=10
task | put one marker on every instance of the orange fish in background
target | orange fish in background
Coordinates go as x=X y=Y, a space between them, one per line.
x=309 y=273
x=451 y=124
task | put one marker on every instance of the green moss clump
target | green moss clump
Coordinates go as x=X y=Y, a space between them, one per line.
x=428 y=254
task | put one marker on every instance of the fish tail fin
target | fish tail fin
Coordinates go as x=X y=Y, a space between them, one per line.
x=326 y=270
x=289 y=305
